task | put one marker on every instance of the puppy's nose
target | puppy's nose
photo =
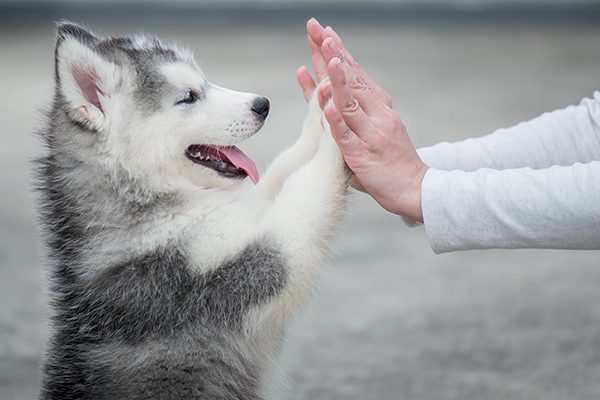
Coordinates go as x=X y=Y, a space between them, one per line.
x=260 y=107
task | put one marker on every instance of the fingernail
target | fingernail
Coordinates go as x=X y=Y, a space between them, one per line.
x=338 y=63
x=329 y=43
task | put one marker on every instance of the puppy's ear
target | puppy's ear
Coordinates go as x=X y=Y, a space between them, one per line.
x=85 y=79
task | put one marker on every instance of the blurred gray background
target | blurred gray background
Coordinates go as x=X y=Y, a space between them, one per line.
x=391 y=320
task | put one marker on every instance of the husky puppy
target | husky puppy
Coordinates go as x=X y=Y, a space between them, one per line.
x=172 y=275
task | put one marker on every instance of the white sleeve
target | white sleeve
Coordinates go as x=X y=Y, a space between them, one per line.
x=556 y=207
x=535 y=185
x=561 y=137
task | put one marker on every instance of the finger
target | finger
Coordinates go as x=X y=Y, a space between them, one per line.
x=341 y=94
x=315 y=30
x=324 y=94
x=306 y=82
x=369 y=102
x=342 y=52
x=329 y=32
x=349 y=107
x=329 y=49
x=318 y=62
x=347 y=56
x=348 y=142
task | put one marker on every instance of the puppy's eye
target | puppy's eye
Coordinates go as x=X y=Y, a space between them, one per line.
x=191 y=97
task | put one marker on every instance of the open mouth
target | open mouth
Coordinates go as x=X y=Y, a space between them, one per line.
x=228 y=161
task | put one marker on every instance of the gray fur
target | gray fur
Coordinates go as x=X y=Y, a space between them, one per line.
x=146 y=325
x=180 y=330
x=143 y=56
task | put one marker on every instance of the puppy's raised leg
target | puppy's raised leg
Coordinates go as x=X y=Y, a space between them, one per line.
x=296 y=155
x=303 y=218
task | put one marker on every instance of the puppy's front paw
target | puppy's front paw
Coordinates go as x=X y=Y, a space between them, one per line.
x=332 y=152
x=315 y=120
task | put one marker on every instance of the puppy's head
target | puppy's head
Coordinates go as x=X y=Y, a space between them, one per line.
x=145 y=108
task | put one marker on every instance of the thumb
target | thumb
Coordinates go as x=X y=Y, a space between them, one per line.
x=306 y=82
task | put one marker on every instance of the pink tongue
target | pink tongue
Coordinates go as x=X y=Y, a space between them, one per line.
x=242 y=161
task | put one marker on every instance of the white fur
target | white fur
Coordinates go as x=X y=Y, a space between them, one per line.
x=298 y=203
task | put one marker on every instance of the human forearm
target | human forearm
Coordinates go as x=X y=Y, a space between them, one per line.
x=556 y=207
x=561 y=137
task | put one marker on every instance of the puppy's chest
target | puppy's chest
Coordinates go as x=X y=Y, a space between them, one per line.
x=216 y=237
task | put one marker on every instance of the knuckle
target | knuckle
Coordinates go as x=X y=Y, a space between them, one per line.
x=351 y=106
x=388 y=99
x=374 y=144
x=342 y=135
x=397 y=123
x=346 y=134
x=385 y=97
x=394 y=122
x=358 y=83
x=398 y=127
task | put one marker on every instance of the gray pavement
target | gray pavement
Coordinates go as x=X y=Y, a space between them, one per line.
x=391 y=320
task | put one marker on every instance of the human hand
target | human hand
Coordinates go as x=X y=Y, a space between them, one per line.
x=375 y=143
x=372 y=137
x=321 y=57
x=316 y=35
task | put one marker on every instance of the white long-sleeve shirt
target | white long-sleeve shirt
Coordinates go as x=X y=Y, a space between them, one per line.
x=535 y=185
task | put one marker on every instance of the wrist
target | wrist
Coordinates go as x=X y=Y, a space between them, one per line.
x=414 y=206
x=407 y=202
